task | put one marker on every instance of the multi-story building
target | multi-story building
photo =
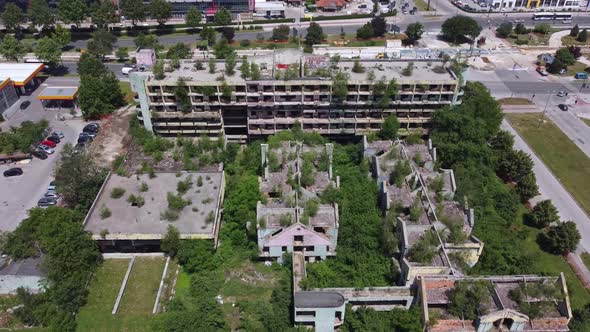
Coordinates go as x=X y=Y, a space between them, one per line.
x=181 y=7
x=557 y=5
x=292 y=92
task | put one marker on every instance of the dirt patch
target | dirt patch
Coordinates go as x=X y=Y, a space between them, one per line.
x=114 y=137
x=248 y=274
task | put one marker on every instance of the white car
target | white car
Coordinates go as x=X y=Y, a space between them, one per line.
x=46 y=149
x=59 y=134
x=127 y=69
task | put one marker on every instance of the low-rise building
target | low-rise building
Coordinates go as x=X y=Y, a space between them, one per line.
x=292 y=92
x=292 y=220
x=132 y=214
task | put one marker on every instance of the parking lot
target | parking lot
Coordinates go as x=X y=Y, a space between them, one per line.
x=20 y=193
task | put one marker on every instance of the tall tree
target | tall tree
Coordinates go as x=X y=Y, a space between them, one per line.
x=527 y=187
x=99 y=95
x=90 y=65
x=48 y=50
x=193 y=17
x=575 y=31
x=222 y=17
x=379 y=26
x=12 y=49
x=389 y=128
x=562 y=238
x=71 y=11
x=40 y=13
x=146 y=41
x=208 y=34
x=458 y=27
x=314 y=35
x=515 y=165
x=161 y=10
x=414 y=32
x=504 y=30
x=583 y=36
x=133 y=10
x=101 y=43
x=104 y=13
x=61 y=35
x=544 y=214
x=12 y=17
x=281 y=32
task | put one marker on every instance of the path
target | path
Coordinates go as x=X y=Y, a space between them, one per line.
x=555 y=39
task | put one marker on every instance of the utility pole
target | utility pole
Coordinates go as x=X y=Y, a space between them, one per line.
x=549 y=93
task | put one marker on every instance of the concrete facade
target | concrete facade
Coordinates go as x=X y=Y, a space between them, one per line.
x=290 y=93
x=8 y=95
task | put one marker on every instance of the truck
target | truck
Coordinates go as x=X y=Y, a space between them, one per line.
x=541 y=70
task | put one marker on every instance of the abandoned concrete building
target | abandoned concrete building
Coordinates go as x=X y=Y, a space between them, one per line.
x=505 y=303
x=292 y=219
x=434 y=230
x=291 y=91
x=132 y=214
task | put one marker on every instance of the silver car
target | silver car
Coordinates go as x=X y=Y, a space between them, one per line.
x=46 y=149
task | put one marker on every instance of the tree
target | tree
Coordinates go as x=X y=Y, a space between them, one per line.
x=583 y=36
x=544 y=214
x=159 y=70
x=208 y=34
x=245 y=68
x=230 y=64
x=183 y=100
x=101 y=43
x=61 y=35
x=146 y=41
x=254 y=71
x=12 y=17
x=467 y=299
x=122 y=54
x=171 y=241
x=564 y=55
x=575 y=31
x=515 y=165
x=71 y=11
x=11 y=48
x=379 y=26
x=562 y=238
x=576 y=51
x=281 y=32
x=527 y=187
x=104 y=13
x=340 y=87
x=414 y=32
x=99 y=95
x=556 y=66
x=520 y=29
x=133 y=10
x=504 y=30
x=314 y=35
x=161 y=10
x=48 y=50
x=222 y=17
x=228 y=33
x=90 y=65
x=193 y=17
x=222 y=49
x=543 y=28
x=357 y=67
x=459 y=27
x=365 y=32
x=40 y=13
x=179 y=51
x=389 y=128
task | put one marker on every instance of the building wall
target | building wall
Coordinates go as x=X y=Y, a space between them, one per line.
x=8 y=97
x=531 y=4
x=258 y=109
x=322 y=319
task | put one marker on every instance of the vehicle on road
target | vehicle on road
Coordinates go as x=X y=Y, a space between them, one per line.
x=46 y=149
x=561 y=93
x=581 y=76
x=47 y=201
x=59 y=134
x=541 y=70
x=25 y=104
x=39 y=154
x=127 y=68
x=551 y=16
x=54 y=139
x=48 y=143
x=519 y=20
x=563 y=107
x=13 y=172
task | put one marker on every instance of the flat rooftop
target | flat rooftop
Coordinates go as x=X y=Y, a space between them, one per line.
x=59 y=93
x=318 y=300
x=129 y=222
x=19 y=73
x=423 y=71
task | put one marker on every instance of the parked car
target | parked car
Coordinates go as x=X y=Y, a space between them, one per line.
x=91 y=127
x=51 y=186
x=581 y=76
x=84 y=139
x=563 y=107
x=54 y=139
x=13 y=172
x=47 y=201
x=51 y=193
x=39 y=154
x=25 y=104
x=46 y=149
x=127 y=68
x=48 y=143
x=59 y=134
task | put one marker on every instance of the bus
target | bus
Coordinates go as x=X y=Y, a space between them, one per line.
x=552 y=16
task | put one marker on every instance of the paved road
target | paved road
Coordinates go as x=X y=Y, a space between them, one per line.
x=114 y=67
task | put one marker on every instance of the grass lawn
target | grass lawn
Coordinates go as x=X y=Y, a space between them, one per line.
x=532 y=40
x=558 y=152
x=422 y=5
x=515 y=101
x=350 y=40
x=142 y=288
x=575 y=68
x=126 y=89
x=569 y=40
x=586 y=121
x=586 y=259
x=183 y=283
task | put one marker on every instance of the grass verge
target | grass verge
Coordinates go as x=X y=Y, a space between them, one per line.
x=515 y=101
x=586 y=259
x=567 y=162
x=575 y=68
x=569 y=40
x=586 y=121
x=423 y=5
x=126 y=89
x=140 y=294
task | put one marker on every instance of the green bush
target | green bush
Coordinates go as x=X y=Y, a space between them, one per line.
x=117 y=192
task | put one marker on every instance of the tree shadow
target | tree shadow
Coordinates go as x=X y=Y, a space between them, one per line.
x=58 y=70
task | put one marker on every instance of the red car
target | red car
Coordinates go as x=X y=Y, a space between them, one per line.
x=48 y=143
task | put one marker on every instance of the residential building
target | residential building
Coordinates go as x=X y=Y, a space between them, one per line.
x=292 y=220
x=145 y=56
x=505 y=303
x=292 y=92
x=547 y=5
x=136 y=219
